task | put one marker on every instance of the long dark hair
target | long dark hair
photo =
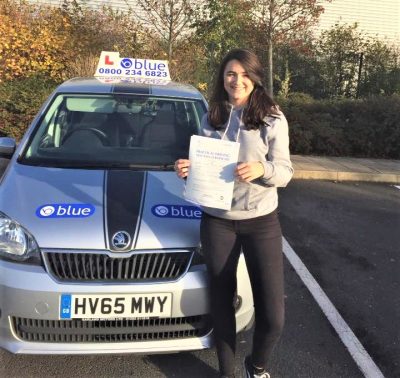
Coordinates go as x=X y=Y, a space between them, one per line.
x=260 y=104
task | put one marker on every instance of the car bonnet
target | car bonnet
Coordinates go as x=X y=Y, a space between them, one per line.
x=89 y=209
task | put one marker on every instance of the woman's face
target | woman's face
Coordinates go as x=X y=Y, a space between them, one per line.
x=237 y=83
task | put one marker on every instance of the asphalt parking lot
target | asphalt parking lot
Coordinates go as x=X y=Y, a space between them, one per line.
x=347 y=234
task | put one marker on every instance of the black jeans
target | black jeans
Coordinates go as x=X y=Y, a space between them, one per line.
x=260 y=239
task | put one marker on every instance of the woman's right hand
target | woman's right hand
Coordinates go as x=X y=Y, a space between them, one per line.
x=181 y=167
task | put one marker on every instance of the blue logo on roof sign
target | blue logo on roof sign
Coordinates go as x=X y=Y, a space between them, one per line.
x=65 y=210
x=176 y=211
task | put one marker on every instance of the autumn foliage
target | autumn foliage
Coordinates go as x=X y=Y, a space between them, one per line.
x=29 y=44
x=60 y=42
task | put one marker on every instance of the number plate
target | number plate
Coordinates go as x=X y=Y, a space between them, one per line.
x=113 y=306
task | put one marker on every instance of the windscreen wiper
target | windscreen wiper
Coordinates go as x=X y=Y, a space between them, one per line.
x=58 y=163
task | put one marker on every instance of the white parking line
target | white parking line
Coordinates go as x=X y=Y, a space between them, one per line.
x=397 y=186
x=353 y=345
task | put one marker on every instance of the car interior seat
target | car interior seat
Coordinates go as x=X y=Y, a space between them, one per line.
x=187 y=125
x=161 y=131
x=120 y=129
x=85 y=132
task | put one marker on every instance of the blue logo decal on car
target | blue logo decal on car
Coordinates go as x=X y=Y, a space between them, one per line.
x=176 y=211
x=65 y=210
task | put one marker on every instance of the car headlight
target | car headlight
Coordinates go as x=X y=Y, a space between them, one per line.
x=16 y=243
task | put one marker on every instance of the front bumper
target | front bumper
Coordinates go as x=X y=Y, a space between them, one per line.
x=30 y=297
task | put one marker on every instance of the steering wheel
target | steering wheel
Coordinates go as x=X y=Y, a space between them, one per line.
x=99 y=134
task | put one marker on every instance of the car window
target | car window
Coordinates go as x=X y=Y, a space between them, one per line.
x=114 y=130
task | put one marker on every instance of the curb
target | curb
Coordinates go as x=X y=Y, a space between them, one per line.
x=389 y=178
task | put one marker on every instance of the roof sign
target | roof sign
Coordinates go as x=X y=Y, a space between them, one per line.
x=112 y=66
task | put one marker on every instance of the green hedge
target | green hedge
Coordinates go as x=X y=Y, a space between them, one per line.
x=359 y=128
x=20 y=100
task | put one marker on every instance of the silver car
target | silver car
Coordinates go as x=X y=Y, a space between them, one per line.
x=99 y=251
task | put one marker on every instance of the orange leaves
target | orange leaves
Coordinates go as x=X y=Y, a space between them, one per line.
x=29 y=46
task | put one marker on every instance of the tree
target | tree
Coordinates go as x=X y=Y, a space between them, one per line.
x=28 y=44
x=281 y=18
x=341 y=62
x=88 y=28
x=339 y=49
x=380 y=72
x=298 y=66
x=86 y=31
x=220 y=26
x=170 y=19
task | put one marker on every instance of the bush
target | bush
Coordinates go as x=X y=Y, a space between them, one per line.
x=20 y=100
x=29 y=45
x=360 y=128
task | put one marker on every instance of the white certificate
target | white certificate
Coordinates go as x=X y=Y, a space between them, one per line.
x=212 y=172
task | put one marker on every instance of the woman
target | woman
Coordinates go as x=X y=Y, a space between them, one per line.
x=252 y=223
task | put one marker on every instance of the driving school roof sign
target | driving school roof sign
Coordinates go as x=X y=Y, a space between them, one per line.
x=111 y=65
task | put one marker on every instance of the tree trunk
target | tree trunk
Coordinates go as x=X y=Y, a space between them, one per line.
x=270 y=69
x=170 y=31
x=170 y=51
x=360 y=67
x=270 y=31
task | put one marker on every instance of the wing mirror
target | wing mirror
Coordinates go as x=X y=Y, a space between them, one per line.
x=7 y=147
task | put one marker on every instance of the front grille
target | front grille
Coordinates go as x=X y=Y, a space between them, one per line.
x=110 y=331
x=72 y=266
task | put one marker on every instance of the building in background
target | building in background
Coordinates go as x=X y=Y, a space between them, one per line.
x=376 y=18
x=117 y=4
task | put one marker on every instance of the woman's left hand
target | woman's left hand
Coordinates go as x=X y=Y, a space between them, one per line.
x=249 y=171
x=181 y=168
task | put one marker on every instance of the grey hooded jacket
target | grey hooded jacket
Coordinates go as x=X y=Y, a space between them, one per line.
x=268 y=145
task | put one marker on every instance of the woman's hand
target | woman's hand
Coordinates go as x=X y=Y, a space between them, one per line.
x=249 y=171
x=182 y=167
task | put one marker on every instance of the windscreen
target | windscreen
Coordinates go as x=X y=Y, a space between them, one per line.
x=114 y=131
